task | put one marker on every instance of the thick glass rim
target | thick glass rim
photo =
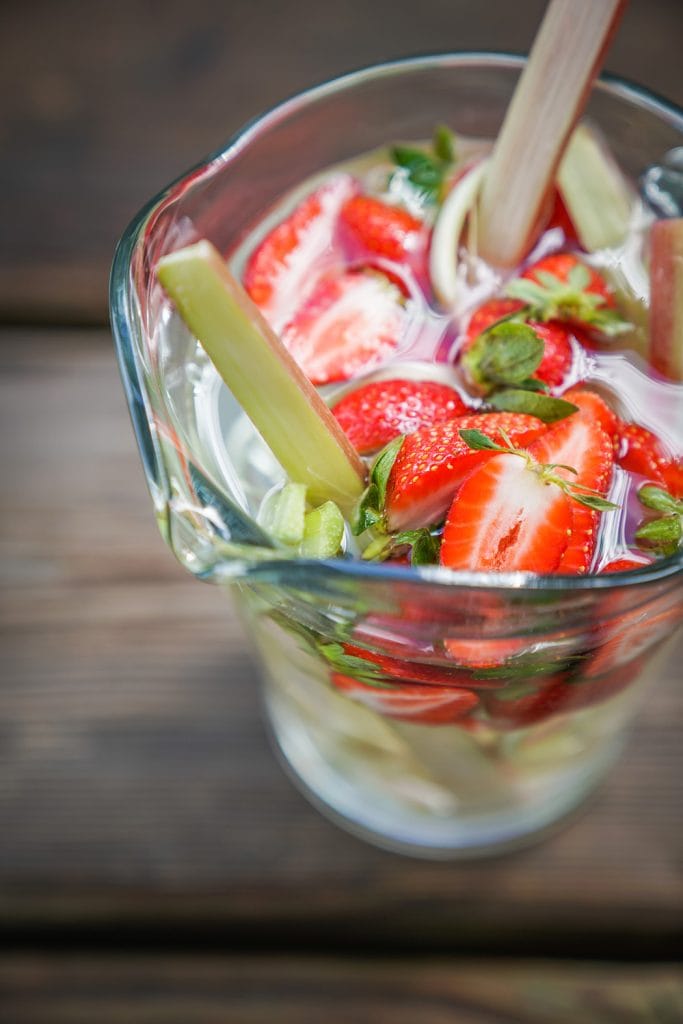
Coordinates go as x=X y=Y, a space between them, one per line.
x=353 y=569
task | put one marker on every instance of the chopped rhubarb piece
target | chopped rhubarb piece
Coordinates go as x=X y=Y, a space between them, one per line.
x=666 y=288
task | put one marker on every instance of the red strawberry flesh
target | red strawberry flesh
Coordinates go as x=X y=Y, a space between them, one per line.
x=505 y=517
x=375 y=413
x=558 y=354
x=580 y=442
x=351 y=322
x=434 y=460
x=376 y=227
x=426 y=705
x=283 y=269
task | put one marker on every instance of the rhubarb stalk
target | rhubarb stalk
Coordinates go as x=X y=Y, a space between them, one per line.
x=594 y=192
x=549 y=99
x=666 y=297
x=279 y=399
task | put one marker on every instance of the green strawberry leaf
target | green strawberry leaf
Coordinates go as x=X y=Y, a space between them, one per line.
x=550 y=298
x=370 y=509
x=658 y=499
x=593 y=501
x=424 y=548
x=531 y=384
x=662 y=535
x=383 y=464
x=443 y=144
x=479 y=441
x=352 y=665
x=506 y=353
x=427 y=172
x=544 y=407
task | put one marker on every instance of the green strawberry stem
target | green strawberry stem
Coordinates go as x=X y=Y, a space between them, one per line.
x=666 y=293
x=281 y=402
x=547 y=103
x=594 y=192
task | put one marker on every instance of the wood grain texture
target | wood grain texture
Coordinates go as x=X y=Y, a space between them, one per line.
x=101 y=105
x=137 y=790
x=184 y=990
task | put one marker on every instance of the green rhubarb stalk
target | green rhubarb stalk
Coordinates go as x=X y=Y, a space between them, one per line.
x=666 y=297
x=275 y=394
x=547 y=103
x=594 y=192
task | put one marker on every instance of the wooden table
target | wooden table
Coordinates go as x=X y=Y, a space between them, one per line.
x=155 y=864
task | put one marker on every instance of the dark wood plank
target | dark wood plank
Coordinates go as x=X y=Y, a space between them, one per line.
x=101 y=105
x=182 y=990
x=137 y=790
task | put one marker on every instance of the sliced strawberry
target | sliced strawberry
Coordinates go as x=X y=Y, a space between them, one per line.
x=399 y=669
x=284 y=268
x=625 y=564
x=595 y=408
x=434 y=460
x=505 y=517
x=375 y=413
x=375 y=227
x=351 y=322
x=642 y=452
x=673 y=478
x=631 y=635
x=579 y=442
x=425 y=705
x=529 y=702
x=558 y=354
x=560 y=265
x=484 y=653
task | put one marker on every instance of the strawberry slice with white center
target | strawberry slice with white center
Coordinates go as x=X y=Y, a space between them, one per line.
x=283 y=270
x=433 y=461
x=506 y=516
x=580 y=442
x=351 y=322
x=426 y=705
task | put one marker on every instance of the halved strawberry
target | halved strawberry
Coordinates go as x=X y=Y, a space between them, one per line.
x=528 y=702
x=580 y=442
x=375 y=413
x=642 y=452
x=558 y=355
x=597 y=409
x=284 y=268
x=506 y=517
x=400 y=669
x=625 y=564
x=563 y=288
x=375 y=227
x=424 y=705
x=351 y=322
x=434 y=460
x=629 y=636
x=561 y=265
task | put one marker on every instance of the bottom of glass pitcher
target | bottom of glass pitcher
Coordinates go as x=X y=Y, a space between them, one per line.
x=430 y=825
